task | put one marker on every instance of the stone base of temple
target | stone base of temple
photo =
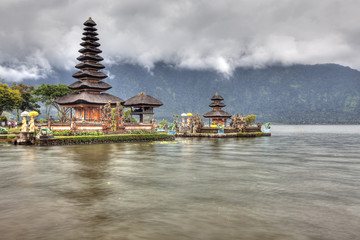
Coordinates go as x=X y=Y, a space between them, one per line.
x=215 y=130
x=224 y=135
x=252 y=129
x=95 y=126
x=138 y=126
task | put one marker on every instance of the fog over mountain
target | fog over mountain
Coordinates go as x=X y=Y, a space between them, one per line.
x=39 y=37
x=297 y=94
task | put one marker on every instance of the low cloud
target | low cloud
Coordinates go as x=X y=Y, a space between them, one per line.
x=218 y=35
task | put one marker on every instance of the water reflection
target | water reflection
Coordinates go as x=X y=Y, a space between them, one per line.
x=288 y=186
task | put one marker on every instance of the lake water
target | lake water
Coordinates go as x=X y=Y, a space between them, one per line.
x=301 y=183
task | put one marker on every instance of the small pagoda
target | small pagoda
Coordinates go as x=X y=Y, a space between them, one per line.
x=90 y=89
x=143 y=105
x=217 y=115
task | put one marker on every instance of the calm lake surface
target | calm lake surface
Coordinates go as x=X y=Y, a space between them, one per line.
x=301 y=183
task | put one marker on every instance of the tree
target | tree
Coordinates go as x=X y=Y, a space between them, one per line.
x=48 y=94
x=162 y=124
x=10 y=99
x=127 y=117
x=29 y=101
x=250 y=120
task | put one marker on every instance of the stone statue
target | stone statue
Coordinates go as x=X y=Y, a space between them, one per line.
x=238 y=122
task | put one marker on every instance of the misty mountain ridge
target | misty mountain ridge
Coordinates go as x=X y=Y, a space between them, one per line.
x=297 y=94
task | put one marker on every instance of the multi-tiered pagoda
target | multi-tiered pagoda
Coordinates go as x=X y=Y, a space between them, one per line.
x=217 y=114
x=90 y=89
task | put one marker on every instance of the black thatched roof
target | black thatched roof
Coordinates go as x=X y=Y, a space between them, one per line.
x=89 y=65
x=89 y=85
x=90 y=33
x=88 y=98
x=90 y=50
x=91 y=38
x=90 y=57
x=142 y=100
x=90 y=22
x=90 y=29
x=217 y=97
x=217 y=105
x=215 y=114
x=88 y=74
x=90 y=44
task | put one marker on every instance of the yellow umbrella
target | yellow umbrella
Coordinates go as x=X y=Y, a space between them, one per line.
x=32 y=122
x=33 y=114
x=189 y=114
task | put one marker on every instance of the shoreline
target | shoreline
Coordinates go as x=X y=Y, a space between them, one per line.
x=119 y=138
x=225 y=135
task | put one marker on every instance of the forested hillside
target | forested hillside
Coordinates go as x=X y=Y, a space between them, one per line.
x=326 y=93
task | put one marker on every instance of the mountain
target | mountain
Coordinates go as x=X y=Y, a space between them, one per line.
x=298 y=94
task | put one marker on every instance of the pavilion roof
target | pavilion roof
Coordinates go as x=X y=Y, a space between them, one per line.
x=90 y=22
x=217 y=114
x=89 y=98
x=142 y=100
x=89 y=57
x=89 y=74
x=90 y=65
x=85 y=84
x=220 y=104
x=217 y=97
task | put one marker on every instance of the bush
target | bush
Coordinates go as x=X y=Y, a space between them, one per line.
x=162 y=124
x=3 y=119
x=76 y=133
x=142 y=132
x=114 y=138
x=250 y=120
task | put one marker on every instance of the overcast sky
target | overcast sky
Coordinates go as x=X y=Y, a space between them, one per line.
x=37 y=36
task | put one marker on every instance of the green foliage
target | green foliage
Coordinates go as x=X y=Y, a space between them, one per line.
x=49 y=93
x=29 y=101
x=10 y=99
x=3 y=119
x=323 y=93
x=76 y=133
x=127 y=117
x=3 y=130
x=250 y=134
x=162 y=124
x=18 y=129
x=250 y=120
x=142 y=132
x=114 y=138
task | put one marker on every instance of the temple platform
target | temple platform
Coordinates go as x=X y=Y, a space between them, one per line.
x=224 y=135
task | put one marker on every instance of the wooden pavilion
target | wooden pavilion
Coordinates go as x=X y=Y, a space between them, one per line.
x=217 y=114
x=143 y=105
x=90 y=89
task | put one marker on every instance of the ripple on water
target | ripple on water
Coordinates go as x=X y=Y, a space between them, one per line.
x=301 y=183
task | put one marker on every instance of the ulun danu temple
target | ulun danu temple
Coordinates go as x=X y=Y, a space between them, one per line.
x=217 y=114
x=90 y=107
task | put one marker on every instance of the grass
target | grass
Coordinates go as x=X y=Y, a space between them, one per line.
x=113 y=138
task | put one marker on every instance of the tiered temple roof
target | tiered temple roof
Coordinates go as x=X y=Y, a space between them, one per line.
x=89 y=88
x=217 y=105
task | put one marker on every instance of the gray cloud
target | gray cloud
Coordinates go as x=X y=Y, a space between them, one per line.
x=37 y=36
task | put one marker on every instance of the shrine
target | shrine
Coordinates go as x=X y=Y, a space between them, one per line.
x=143 y=105
x=217 y=114
x=90 y=89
